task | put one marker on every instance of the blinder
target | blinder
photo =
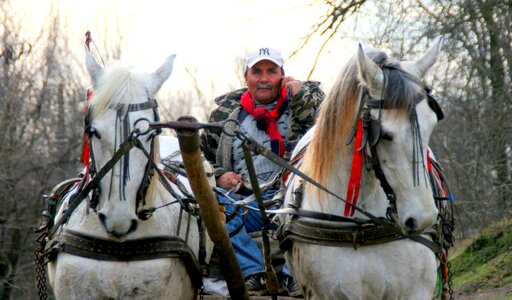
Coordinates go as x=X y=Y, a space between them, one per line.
x=372 y=133
x=372 y=129
x=434 y=105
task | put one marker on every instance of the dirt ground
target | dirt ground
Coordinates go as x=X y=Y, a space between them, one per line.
x=501 y=293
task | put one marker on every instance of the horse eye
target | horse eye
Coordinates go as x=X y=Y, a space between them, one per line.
x=388 y=136
x=94 y=132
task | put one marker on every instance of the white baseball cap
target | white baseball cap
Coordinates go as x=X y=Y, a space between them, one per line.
x=264 y=54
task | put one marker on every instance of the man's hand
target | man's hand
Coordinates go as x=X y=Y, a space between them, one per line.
x=229 y=180
x=293 y=85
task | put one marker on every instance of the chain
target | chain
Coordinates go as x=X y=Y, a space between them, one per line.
x=201 y=293
x=450 y=288
x=40 y=270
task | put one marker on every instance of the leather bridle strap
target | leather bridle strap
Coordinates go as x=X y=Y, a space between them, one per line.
x=151 y=103
x=270 y=275
x=392 y=211
x=259 y=149
x=126 y=146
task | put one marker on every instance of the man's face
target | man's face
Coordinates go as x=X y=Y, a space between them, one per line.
x=264 y=81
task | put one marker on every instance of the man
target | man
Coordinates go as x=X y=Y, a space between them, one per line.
x=276 y=111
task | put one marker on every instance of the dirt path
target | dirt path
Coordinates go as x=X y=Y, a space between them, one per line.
x=501 y=293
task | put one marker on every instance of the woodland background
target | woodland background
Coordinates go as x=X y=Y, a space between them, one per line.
x=42 y=93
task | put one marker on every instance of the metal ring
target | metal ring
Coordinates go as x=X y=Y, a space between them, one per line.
x=141 y=128
x=234 y=134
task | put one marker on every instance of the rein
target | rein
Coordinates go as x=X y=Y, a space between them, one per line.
x=141 y=249
x=259 y=149
x=126 y=146
x=388 y=223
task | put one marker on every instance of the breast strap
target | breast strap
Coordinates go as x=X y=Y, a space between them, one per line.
x=335 y=234
x=84 y=245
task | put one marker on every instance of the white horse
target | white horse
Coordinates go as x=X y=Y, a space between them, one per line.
x=341 y=259
x=108 y=249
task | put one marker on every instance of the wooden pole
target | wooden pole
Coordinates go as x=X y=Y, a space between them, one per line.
x=191 y=154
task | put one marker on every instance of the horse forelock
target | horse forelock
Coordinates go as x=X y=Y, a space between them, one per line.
x=119 y=84
x=401 y=91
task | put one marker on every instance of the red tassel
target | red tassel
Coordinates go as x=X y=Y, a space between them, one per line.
x=86 y=155
x=355 y=173
x=85 y=152
x=429 y=163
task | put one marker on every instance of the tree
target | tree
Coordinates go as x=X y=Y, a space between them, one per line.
x=40 y=96
x=472 y=83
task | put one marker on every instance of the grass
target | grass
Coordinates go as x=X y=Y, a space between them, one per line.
x=486 y=263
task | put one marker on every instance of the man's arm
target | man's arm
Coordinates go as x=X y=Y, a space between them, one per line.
x=303 y=107
x=210 y=137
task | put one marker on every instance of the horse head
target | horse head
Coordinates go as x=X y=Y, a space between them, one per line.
x=401 y=116
x=122 y=103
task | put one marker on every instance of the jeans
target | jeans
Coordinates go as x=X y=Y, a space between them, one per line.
x=249 y=255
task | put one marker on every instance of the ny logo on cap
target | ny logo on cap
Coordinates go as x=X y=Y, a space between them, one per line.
x=264 y=51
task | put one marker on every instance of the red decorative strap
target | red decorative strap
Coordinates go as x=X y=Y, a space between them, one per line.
x=429 y=163
x=88 y=39
x=86 y=155
x=356 y=171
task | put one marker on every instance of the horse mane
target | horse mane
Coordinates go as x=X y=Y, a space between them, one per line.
x=338 y=113
x=118 y=83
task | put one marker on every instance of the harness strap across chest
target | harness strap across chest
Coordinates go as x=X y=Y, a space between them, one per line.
x=335 y=234
x=87 y=246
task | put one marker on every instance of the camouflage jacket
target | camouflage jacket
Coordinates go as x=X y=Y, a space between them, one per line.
x=217 y=147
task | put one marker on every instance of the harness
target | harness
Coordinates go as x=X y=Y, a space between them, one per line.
x=53 y=240
x=375 y=229
x=89 y=132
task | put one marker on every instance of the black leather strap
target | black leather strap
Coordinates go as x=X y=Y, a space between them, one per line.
x=84 y=245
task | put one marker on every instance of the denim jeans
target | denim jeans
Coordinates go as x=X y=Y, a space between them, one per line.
x=249 y=255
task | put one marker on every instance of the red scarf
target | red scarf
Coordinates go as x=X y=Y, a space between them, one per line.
x=267 y=120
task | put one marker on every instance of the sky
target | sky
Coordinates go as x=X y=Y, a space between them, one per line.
x=208 y=36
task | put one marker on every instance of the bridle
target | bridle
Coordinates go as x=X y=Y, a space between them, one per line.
x=84 y=245
x=123 y=116
x=91 y=180
x=372 y=134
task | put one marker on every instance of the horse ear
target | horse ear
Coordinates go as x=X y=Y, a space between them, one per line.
x=370 y=74
x=94 y=69
x=162 y=74
x=421 y=65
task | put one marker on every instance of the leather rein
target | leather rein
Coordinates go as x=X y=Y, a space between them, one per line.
x=373 y=231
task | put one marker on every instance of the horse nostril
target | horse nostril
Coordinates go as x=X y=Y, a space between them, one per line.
x=411 y=224
x=133 y=226
x=103 y=219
